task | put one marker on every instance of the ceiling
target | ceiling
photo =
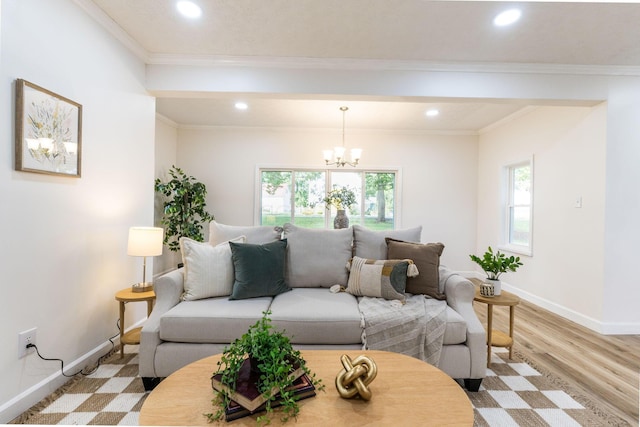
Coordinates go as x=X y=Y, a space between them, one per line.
x=568 y=34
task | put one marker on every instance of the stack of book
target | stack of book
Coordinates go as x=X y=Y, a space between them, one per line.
x=247 y=399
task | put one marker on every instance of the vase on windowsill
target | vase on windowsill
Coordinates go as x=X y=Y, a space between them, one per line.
x=341 y=220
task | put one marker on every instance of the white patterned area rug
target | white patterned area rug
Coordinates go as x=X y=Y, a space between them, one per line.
x=512 y=394
x=516 y=394
x=113 y=395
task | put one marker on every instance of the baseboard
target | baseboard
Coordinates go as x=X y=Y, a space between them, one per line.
x=34 y=394
x=579 y=318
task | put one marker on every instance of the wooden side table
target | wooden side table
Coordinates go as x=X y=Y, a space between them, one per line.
x=125 y=296
x=495 y=337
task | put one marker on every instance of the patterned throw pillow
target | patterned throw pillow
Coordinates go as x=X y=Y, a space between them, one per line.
x=379 y=278
x=208 y=270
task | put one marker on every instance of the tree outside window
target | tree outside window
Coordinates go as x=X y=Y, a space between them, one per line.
x=519 y=208
x=296 y=196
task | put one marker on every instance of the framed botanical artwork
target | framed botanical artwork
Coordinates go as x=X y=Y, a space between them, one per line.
x=48 y=131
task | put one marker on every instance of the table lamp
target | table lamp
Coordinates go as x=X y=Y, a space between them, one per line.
x=144 y=242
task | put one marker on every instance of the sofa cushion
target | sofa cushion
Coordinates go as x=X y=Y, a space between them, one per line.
x=378 y=278
x=456 y=329
x=208 y=270
x=370 y=244
x=316 y=316
x=211 y=320
x=427 y=259
x=219 y=233
x=317 y=258
x=259 y=269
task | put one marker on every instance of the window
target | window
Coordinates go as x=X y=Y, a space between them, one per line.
x=296 y=196
x=519 y=208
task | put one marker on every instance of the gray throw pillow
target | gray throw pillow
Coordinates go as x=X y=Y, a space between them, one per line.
x=370 y=244
x=259 y=269
x=219 y=233
x=317 y=258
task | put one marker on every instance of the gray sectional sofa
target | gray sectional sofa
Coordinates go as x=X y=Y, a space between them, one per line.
x=221 y=291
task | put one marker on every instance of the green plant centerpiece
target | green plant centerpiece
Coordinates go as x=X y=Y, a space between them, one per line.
x=340 y=197
x=494 y=264
x=184 y=208
x=271 y=353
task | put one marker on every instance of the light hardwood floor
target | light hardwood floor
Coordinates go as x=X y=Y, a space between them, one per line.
x=604 y=368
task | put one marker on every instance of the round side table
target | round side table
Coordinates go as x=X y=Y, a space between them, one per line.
x=125 y=296
x=495 y=337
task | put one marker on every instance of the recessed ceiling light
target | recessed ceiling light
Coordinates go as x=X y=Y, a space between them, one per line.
x=189 y=9
x=507 y=17
x=241 y=105
x=432 y=112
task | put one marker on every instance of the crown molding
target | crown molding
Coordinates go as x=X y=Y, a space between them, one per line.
x=113 y=28
x=166 y=120
x=390 y=65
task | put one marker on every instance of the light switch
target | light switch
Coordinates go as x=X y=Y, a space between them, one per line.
x=578 y=202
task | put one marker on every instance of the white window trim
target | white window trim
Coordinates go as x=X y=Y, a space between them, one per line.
x=397 y=196
x=526 y=250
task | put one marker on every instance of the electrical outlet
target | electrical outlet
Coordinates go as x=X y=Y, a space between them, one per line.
x=25 y=338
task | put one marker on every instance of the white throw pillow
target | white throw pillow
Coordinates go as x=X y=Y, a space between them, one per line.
x=208 y=270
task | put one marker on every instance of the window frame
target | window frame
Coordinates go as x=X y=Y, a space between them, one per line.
x=397 y=190
x=508 y=204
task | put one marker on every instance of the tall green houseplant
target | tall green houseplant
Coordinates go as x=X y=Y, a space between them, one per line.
x=184 y=208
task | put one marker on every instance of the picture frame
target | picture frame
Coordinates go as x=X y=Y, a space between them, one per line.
x=48 y=132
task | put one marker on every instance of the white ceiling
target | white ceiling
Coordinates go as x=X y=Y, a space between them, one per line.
x=568 y=34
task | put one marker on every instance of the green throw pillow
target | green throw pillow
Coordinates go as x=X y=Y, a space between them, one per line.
x=259 y=269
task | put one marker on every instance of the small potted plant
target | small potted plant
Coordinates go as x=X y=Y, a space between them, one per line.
x=271 y=354
x=494 y=264
x=340 y=198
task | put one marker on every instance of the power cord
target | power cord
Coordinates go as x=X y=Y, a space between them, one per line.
x=95 y=368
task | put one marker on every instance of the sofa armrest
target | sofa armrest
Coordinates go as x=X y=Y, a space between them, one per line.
x=460 y=292
x=168 y=288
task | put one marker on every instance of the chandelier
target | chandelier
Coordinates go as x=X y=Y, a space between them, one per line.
x=338 y=153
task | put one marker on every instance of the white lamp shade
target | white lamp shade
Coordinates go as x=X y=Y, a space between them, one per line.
x=145 y=241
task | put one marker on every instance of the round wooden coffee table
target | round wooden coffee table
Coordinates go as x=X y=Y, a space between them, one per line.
x=406 y=391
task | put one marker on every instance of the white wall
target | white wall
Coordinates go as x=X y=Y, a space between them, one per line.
x=165 y=156
x=438 y=174
x=64 y=239
x=622 y=229
x=566 y=271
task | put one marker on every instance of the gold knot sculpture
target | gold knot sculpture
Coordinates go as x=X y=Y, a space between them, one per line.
x=356 y=376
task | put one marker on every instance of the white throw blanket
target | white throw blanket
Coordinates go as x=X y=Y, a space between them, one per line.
x=415 y=328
